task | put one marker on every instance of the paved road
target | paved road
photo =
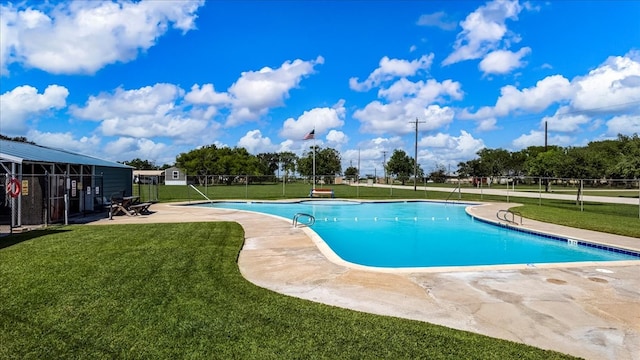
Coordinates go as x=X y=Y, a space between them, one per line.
x=525 y=194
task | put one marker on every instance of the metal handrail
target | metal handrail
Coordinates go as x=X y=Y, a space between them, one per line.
x=200 y=192
x=451 y=193
x=310 y=219
x=513 y=216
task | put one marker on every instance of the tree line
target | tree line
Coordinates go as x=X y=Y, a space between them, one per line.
x=606 y=159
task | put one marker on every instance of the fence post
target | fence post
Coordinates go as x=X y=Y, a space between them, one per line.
x=507 y=190
x=581 y=195
x=540 y=191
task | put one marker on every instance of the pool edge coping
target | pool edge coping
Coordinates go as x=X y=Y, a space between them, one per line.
x=330 y=255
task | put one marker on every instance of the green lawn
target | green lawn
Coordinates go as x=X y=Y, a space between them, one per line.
x=174 y=291
x=613 y=218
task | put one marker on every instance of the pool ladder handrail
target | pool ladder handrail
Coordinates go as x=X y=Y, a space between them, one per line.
x=505 y=214
x=453 y=192
x=310 y=222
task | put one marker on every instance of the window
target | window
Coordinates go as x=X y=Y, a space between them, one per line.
x=175 y=175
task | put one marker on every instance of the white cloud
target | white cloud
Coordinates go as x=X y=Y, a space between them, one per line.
x=503 y=61
x=320 y=119
x=483 y=30
x=148 y=100
x=371 y=154
x=533 y=138
x=160 y=125
x=255 y=143
x=612 y=86
x=127 y=148
x=536 y=138
x=206 y=95
x=255 y=92
x=368 y=160
x=120 y=149
x=624 y=124
x=400 y=89
x=85 y=145
x=390 y=69
x=146 y=112
x=24 y=103
x=394 y=118
x=547 y=91
x=450 y=149
x=562 y=121
x=487 y=124
x=611 y=89
x=336 y=139
x=424 y=92
x=438 y=19
x=405 y=100
x=84 y=36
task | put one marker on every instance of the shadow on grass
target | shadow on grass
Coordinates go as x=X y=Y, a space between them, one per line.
x=15 y=239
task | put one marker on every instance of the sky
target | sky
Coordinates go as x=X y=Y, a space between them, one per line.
x=121 y=80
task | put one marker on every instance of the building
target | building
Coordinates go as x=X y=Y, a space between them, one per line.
x=175 y=176
x=154 y=177
x=44 y=185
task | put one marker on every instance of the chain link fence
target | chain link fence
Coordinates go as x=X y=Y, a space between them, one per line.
x=612 y=196
x=47 y=199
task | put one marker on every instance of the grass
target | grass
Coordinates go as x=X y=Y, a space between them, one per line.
x=610 y=218
x=617 y=219
x=168 y=291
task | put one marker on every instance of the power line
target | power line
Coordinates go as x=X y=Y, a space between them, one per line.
x=573 y=112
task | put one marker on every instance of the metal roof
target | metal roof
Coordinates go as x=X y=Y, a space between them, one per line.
x=19 y=152
x=148 y=172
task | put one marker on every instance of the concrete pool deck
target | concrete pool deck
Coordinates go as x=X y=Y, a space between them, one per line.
x=590 y=310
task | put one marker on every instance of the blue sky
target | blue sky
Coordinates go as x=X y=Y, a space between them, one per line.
x=152 y=79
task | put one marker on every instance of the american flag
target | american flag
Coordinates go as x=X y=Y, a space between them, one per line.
x=310 y=135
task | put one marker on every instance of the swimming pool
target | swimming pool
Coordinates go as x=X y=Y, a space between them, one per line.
x=423 y=234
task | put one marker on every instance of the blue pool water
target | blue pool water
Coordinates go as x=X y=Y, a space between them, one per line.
x=422 y=234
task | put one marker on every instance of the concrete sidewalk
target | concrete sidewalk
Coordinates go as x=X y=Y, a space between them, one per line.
x=488 y=212
x=496 y=191
x=591 y=310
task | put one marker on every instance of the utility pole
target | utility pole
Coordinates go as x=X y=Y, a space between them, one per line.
x=415 y=159
x=384 y=165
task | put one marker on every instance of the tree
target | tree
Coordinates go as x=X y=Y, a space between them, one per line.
x=269 y=162
x=328 y=163
x=439 y=175
x=17 y=139
x=140 y=164
x=497 y=162
x=288 y=162
x=232 y=164
x=400 y=165
x=546 y=163
x=351 y=173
